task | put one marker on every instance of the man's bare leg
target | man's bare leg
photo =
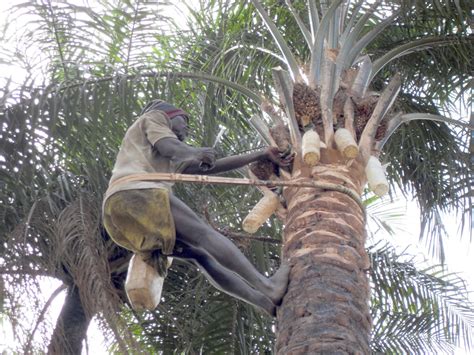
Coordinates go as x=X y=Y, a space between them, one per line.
x=194 y=232
x=224 y=279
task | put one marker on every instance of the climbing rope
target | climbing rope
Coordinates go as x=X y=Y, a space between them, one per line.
x=219 y=180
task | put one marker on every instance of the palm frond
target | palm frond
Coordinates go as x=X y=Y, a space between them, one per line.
x=411 y=47
x=431 y=161
x=116 y=34
x=285 y=50
x=400 y=119
x=318 y=46
x=304 y=30
x=415 y=309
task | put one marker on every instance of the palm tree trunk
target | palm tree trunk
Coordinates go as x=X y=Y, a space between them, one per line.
x=71 y=326
x=326 y=307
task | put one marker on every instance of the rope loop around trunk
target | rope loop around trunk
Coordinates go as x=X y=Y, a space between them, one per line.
x=219 y=180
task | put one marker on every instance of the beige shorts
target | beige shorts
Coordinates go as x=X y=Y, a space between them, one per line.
x=140 y=220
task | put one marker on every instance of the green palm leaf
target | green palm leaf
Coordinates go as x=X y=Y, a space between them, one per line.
x=413 y=308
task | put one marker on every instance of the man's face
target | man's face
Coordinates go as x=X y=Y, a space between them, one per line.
x=179 y=127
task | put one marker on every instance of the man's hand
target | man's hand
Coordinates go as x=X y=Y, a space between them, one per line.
x=279 y=158
x=197 y=160
x=206 y=157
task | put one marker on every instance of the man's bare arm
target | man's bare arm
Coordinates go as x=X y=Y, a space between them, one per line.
x=202 y=160
x=178 y=151
x=235 y=162
x=238 y=161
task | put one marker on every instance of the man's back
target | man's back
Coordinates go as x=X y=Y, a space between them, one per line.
x=137 y=155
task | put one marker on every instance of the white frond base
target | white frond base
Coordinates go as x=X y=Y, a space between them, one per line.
x=376 y=176
x=310 y=148
x=261 y=212
x=346 y=144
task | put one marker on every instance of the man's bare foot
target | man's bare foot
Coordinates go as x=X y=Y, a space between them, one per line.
x=279 y=284
x=265 y=304
x=270 y=310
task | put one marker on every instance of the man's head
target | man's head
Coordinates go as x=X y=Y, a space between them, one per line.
x=179 y=118
x=179 y=126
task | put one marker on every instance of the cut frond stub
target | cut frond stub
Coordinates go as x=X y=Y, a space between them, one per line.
x=143 y=284
x=310 y=148
x=376 y=176
x=261 y=212
x=346 y=144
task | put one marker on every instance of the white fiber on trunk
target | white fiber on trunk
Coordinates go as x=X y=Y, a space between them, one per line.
x=310 y=147
x=345 y=143
x=261 y=212
x=376 y=176
x=143 y=284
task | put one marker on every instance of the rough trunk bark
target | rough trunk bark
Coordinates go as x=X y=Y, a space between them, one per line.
x=71 y=326
x=326 y=307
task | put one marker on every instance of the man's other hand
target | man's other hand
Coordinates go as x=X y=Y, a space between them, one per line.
x=279 y=158
x=207 y=158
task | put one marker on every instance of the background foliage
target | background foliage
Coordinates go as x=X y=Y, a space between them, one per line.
x=62 y=126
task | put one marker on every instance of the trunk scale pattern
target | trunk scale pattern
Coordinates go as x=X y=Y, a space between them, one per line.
x=325 y=309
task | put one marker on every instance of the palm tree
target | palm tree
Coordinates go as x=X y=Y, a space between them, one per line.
x=326 y=306
x=54 y=227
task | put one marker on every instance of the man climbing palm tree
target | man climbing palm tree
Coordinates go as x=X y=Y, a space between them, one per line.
x=145 y=217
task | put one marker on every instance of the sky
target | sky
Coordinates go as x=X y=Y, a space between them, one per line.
x=459 y=251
